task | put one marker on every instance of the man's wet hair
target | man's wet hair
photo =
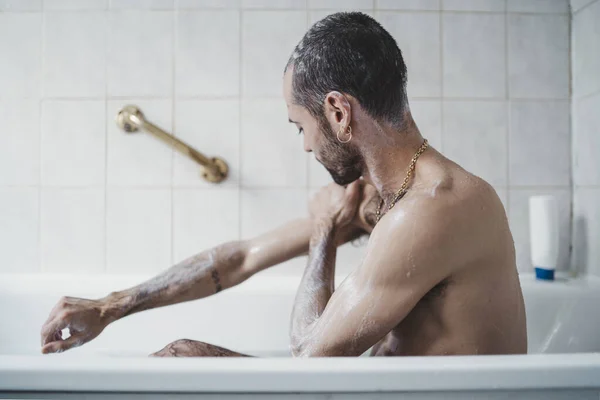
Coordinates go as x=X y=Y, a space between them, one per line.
x=351 y=53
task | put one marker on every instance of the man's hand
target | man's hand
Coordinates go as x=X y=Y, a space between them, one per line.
x=85 y=319
x=336 y=202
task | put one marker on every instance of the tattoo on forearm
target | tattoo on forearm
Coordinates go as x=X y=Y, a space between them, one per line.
x=217 y=281
x=195 y=277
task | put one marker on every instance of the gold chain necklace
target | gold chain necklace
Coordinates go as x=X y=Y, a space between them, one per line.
x=404 y=188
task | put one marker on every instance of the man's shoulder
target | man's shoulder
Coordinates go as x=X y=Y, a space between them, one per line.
x=445 y=209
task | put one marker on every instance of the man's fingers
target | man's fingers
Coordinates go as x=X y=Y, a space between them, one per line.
x=52 y=330
x=62 y=345
x=353 y=190
x=352 y=197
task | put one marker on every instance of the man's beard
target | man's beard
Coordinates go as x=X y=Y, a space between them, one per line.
x=342 y=160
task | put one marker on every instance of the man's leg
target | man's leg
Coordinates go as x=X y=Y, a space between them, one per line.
x=192 y=348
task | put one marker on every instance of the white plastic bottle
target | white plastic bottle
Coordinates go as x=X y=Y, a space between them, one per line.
x=543 y=231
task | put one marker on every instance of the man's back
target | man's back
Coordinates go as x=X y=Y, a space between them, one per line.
x=477 y=308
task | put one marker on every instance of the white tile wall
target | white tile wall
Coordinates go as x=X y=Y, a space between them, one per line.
x=213 y=126
x=72 y=230
x=208 y=52
x=268 y=39
x=539 y=152
x=211 y=72
x=272 y=151
x=503 y=195
x=297 y=4
x=20 y=5
x=428 y=114
x=409 y=4
x=475 y=5
x=585 y=42
x=19 y=233
x=538 y=48
x=265 y=209
x=315 y=16
x=140 y=53
x=138 y=230
x=62 y=5
x=341 y=4
x=19 y=142
x=586 y=230
x=317 y=174
x=539 y=6
x=74 y=54
x=577 y=5
x=194 y=4
x=475 y=136
x=142 y=4
x=586 y=56
x=474 y=55
x=204 y=218
x=418 y=36
x=21 y=77
x=73 y=143
x=586 y=141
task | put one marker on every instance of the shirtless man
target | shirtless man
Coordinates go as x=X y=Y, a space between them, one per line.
x=439 y=274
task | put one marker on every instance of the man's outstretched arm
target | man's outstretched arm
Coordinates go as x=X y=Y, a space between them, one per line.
x=199 y=276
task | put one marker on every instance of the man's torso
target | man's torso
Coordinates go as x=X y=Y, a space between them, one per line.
x=478 y=308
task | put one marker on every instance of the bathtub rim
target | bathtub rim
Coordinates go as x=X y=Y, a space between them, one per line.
x=325 y=375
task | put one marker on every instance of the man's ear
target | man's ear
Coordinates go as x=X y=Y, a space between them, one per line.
x=338 y=110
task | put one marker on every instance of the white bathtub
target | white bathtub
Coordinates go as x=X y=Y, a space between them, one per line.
x=563 y=321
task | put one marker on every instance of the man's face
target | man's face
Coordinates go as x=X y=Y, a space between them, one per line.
x=342 y=160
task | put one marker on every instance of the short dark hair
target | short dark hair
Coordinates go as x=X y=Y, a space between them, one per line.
x=351 y=53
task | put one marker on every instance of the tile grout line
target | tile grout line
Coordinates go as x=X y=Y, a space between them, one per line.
x=570 y=265
x=240 y=125
x=585 y=96
x=216 y=98
x=269 y=9
x=106 y=40
x=41 y=264
x=582 y=8
x=174 y=44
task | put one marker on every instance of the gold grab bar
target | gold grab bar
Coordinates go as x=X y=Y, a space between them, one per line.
x=131 y=119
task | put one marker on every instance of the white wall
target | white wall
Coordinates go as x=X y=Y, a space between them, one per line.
x=586 y=134
x=488 y=82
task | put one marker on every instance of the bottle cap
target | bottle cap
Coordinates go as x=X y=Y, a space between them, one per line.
x=544 y=274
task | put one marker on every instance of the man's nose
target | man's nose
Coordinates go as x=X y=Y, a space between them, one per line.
x=307 y=147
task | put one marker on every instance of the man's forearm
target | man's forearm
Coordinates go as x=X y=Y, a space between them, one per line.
x=213 y=270
x=317 y=283
x=199 y=276
x=217 y=269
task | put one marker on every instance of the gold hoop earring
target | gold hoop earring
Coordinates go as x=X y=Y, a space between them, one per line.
x=349 y=135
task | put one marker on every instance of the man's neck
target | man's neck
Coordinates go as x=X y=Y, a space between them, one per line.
x=386 y=163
